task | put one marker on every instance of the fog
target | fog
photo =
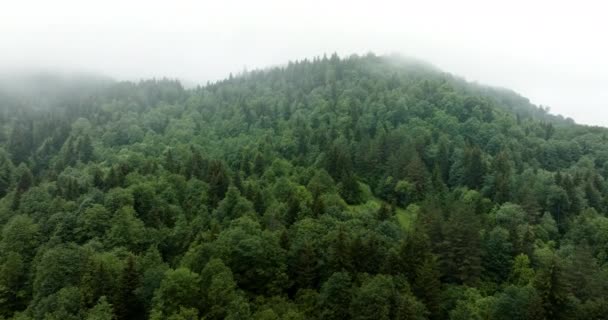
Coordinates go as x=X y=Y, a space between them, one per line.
x=549 y=51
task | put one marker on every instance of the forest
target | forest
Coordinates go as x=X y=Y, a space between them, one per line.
x=360 y=187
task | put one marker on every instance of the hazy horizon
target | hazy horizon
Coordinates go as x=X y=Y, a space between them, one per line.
x=546 y=51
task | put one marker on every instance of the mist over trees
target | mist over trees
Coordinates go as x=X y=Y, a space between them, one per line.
x=364 y=187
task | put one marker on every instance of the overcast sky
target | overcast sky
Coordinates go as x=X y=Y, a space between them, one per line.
x=553 y=52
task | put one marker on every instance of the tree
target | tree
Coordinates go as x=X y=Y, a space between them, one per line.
x=58 y=268
x=20 y=235
x=379 y=298
x=340 y=256
x=13 y=292
x=497 y=255
x=305 y=265
x=233 y=206
x=427 y=286
x=127 y=230
x=417 y=173
x=258 y=164
x=127 y=306
x=472 y=305
x=366 y=253
x=101 y=311
x=461 y=249
x=405 y=193
x=442 y=161
x=6 y=173
x=349 y=189
x=415 y=252
x=518 y=303
x=21 y=141
x=474 y=167
x=221 y=299
x=171 y=163
x=180 y=289
x=254 y=256
x=218 y=181
x=558 y=203
x=335 y=296
x=553 y=289
x=502 y=177
x=99 y=277
x=153 y=270
x=339 y=166
x=25 y=181
x=63 y=304
x=197 y=165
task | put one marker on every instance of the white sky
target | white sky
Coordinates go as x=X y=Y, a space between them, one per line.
x=553 y=52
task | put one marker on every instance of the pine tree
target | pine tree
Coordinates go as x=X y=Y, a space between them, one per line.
x=502 y=177
x=427 y=286
x=339 y=252
x=127 y=306
x=196 y=166
x=385 y=212
x=6 y=173
x=461 y=251
x=318 y=206
x=293 y=210
x=335 y=297
x=521 y=272
x=101 y=311
x=21 y=141
x=259 y=164
x=114 y=178
x=417 y=174
x=349 y=189
x=218 y=181
x=442 y=161
x=171 y=163
x=305 y=268
x=26 y=181
x=474 y=167
x=553 y=289
x=413 y=252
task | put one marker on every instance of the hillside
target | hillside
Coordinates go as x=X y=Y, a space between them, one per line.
x=364 y=187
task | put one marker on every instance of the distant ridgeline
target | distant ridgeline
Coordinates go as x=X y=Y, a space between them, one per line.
x=358 y=188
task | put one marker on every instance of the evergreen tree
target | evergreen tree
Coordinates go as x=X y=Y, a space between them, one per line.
x=335 y=296
x=101 y=311
x=339 y=252
x=6 y=173
x=553 y=289
x=474 y=167
x=502 y=177
x=461 y=251
x=25 y=181
x=218 y=181
x=127 y=306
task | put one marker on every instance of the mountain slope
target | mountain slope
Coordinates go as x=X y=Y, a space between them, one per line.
x=365 y=187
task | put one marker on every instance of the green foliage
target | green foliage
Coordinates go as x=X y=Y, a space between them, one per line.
x=379 y=297
x=101 y=311
x=472 y=305
x=179 y=289
x=521 y=273
x=254 y=255
x=357 y=188
x=6 y=173
x=461 y=249
x=127 y=230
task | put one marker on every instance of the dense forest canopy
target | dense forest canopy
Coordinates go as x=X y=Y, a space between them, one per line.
x=364 y=187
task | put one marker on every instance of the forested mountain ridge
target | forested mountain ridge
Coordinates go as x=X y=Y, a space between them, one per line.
x=365 y=188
